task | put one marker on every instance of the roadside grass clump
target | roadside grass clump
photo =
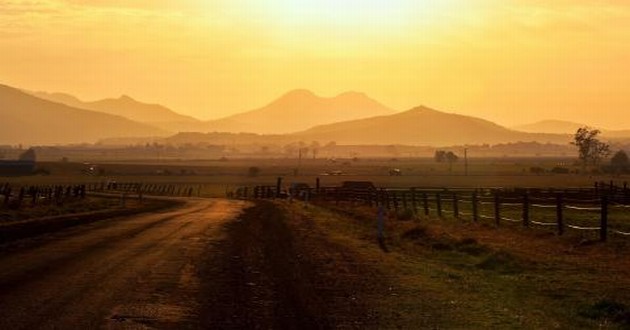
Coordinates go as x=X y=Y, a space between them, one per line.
x=607 y=310
x=501 y=262
x=415 y=233
x=405 y=215
x=471 y=246
x=466 y=245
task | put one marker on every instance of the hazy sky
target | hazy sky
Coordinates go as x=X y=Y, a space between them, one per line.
x=504 y=60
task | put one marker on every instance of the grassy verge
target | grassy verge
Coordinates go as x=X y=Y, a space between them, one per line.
x=446 y=273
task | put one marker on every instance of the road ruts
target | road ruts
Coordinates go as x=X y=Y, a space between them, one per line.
x=122 y=273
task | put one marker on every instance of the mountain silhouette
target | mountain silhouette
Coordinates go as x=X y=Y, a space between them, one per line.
x=298 y=110
x=27 y=119
x=567 y=127
x=423 y=126
x=125 y=106
x=550 y=126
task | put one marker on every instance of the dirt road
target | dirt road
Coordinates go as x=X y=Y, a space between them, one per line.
x=134 y=272
x=212 y=264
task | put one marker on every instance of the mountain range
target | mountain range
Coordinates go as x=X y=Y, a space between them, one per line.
x=31 y=120
x=299 y=110
x=423 y=126
x=125 y=106
x=567 y=127
x=299 y=115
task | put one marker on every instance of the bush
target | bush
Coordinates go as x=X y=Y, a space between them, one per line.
x=560 y=170
x=253 y=171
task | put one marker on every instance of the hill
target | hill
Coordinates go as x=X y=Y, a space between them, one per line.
x=550 y=126
x=299 y=110
x=30 y=120
x=423 y=126
x=125 y=106
x=567 y=127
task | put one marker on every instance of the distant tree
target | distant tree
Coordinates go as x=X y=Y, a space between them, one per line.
x=440 y=156
x=28 y=155
x=450 y=159
x=560 y=170
x=290 y=149
x=253 y=171
x=620 y=162
x=314 y=148
x=590 y=149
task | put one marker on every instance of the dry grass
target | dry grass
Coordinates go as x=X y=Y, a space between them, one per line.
x=475 y=276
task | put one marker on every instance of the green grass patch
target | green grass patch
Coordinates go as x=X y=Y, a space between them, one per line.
x=606 y=311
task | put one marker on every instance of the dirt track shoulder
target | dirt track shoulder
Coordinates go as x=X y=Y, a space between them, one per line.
x=274 y=270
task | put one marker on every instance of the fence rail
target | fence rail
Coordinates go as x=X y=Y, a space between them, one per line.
x=17 y=197
x=578 y=209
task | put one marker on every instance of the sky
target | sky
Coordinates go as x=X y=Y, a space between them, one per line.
x=509 y=61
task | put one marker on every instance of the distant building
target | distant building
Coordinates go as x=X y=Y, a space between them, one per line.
x=24 y=166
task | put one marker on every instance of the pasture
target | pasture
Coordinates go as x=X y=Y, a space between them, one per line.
x=215 y=177
x=436 y=266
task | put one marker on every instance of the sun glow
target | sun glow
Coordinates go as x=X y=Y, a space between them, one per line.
x=357 y=12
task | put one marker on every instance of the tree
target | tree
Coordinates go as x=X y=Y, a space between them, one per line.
x=440 y=156
x=253 y=171
x=620 y=162
x=449 y=157
x=590 y=149
x=28 y=155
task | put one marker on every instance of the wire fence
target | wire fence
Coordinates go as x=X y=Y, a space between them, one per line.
x=579 y=209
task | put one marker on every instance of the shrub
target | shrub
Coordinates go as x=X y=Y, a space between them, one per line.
x=560 y=170
x=253 y=171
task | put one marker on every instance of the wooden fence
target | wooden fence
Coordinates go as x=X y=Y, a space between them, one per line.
x=16 y=197
x=580 y=209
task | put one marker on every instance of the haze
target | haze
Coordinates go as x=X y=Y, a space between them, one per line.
x=512 y=62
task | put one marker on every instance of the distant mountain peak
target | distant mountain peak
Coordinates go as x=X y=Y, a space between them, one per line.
x=300 y=92
x=422 y=109
x=126 y=97
x=301 y=109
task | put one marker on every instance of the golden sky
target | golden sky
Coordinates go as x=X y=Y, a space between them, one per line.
x=505 y=60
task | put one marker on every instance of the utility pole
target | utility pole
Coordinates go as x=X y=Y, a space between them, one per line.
x=466 y=161
x=299 y=161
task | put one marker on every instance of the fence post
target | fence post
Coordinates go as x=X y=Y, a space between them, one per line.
x=414 y=201
x=404 y=201
x=603 y=233
x=425 y=203
x=559 y=215
x=526 y=210
x=278 y=185
x=438 y=202
x=395 y=201
x=475 y=210
x=497 y=208
x=455 y=206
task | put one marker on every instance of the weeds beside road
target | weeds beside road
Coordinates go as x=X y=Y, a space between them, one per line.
x=444 y=273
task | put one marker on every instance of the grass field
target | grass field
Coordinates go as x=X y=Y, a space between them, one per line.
x=445 y=273
x=438 y=272
x=216 y=177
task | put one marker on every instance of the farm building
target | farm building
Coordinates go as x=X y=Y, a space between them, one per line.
x=23 y=166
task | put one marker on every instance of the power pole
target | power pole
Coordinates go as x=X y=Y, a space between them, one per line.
x=466 y=161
